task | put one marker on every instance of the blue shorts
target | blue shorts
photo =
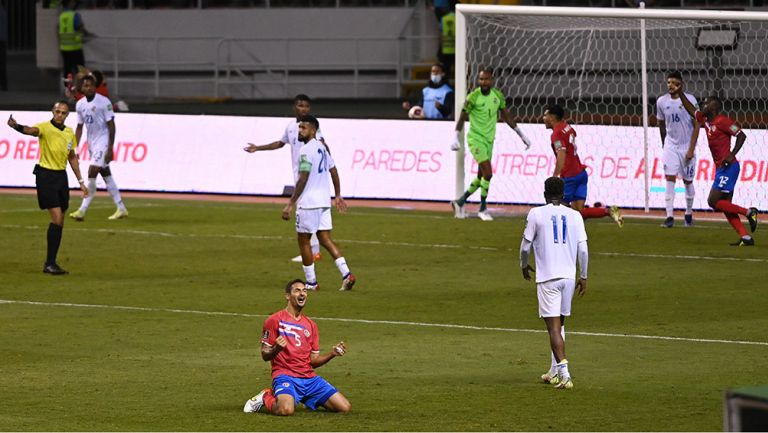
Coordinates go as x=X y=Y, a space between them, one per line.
x=726 y=177
x=576 y=187
x=312 y=391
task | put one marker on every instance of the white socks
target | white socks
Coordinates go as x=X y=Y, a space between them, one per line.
x=553 y=367
x=91 y=194
x=113 y=191
x=309 y=273
x=342 y=265
x=689 y=195
x=669 y=198
x=315 y=244
x=562 y=370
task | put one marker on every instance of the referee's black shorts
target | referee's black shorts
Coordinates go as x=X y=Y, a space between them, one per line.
x=52 y=188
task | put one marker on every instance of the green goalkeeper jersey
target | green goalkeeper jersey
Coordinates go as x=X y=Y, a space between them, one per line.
x=483 y=113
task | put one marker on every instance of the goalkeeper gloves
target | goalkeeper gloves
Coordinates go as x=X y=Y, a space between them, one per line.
x=456 y=145
x=525 y=139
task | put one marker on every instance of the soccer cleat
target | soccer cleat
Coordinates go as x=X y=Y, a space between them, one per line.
x=348 y=283
x=744 y=243
x=54 y=269
x=689 y=220
x=752 y=218
x=298 y=258
x=566 y=383
x=458 y=210
x=550 y=378
x=119 y=214
x=77 y=215
x=313 y=286
x=615 y=214
x=668 y=223
x=255 y=403
x=484 y=215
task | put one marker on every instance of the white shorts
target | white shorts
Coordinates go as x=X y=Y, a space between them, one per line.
x=313 y=220
x=555 y=297
x=675 y=163
x=97 y=157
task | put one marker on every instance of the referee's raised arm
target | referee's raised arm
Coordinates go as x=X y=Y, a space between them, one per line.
x=26 y=130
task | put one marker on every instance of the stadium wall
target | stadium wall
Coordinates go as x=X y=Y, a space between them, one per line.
x=214 y=24
x=384 y=159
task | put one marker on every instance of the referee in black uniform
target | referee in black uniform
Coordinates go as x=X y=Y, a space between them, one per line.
x=57 y=146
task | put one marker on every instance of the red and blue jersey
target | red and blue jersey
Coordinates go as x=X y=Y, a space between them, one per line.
x=564 y=138
x=719 y=133
x=303 y=340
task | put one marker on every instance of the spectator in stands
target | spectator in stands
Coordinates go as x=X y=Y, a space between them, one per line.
x=436 y=97
x=446 y=54
x=442 y=7
x=3 y=46
x=71 y=32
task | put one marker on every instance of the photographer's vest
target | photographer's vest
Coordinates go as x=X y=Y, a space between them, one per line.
x=70 y=39
x=430 y=96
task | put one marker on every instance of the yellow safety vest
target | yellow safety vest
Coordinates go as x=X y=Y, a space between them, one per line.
x=448 y=45
x=70 y=39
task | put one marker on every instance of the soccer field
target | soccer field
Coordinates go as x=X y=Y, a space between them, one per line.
x=158 y=325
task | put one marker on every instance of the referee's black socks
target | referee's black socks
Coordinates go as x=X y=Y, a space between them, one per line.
x=54 y=240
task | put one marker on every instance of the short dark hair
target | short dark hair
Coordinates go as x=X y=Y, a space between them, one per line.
x=99 y=76
x=675 y=74
x=440 y=65
x=311 y=120
x=717 y=100
x=486 y=69
x=301 y=97
x=554 y=187
x=555 y=110
x=289 y=286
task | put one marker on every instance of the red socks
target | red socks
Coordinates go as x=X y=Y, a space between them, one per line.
x=728 y=207
x=735 y=222
x=269 y=400
x=594 y=212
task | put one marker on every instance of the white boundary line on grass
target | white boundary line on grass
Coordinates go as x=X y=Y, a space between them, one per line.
x=384 y=322
x=384 y=243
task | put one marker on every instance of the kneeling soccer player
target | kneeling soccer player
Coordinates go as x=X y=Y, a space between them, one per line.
x=291 y=342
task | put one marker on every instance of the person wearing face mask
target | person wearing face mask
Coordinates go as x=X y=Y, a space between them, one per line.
x=436 y=97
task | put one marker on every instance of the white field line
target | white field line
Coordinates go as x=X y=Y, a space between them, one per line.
x=381 y=243
x=90 y=208
x=383 y=322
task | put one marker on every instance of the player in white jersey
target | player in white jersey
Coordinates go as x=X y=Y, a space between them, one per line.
x=557 y=235
x=679 y=133
x=95 y=111
x=301 y=107
x=313 y=213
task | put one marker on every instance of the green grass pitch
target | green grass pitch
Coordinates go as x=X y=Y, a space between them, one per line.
x=204 y=275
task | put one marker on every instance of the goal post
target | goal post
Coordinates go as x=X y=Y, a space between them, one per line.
x=606 y=67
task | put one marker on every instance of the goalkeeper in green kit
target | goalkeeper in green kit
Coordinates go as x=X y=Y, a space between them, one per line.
x=482 y=107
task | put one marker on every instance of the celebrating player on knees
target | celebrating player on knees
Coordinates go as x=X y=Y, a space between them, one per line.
x=720 y=128
x=291 y=342
x=569 y=166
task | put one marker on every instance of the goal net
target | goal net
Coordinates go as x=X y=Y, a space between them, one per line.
x=606 y=67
